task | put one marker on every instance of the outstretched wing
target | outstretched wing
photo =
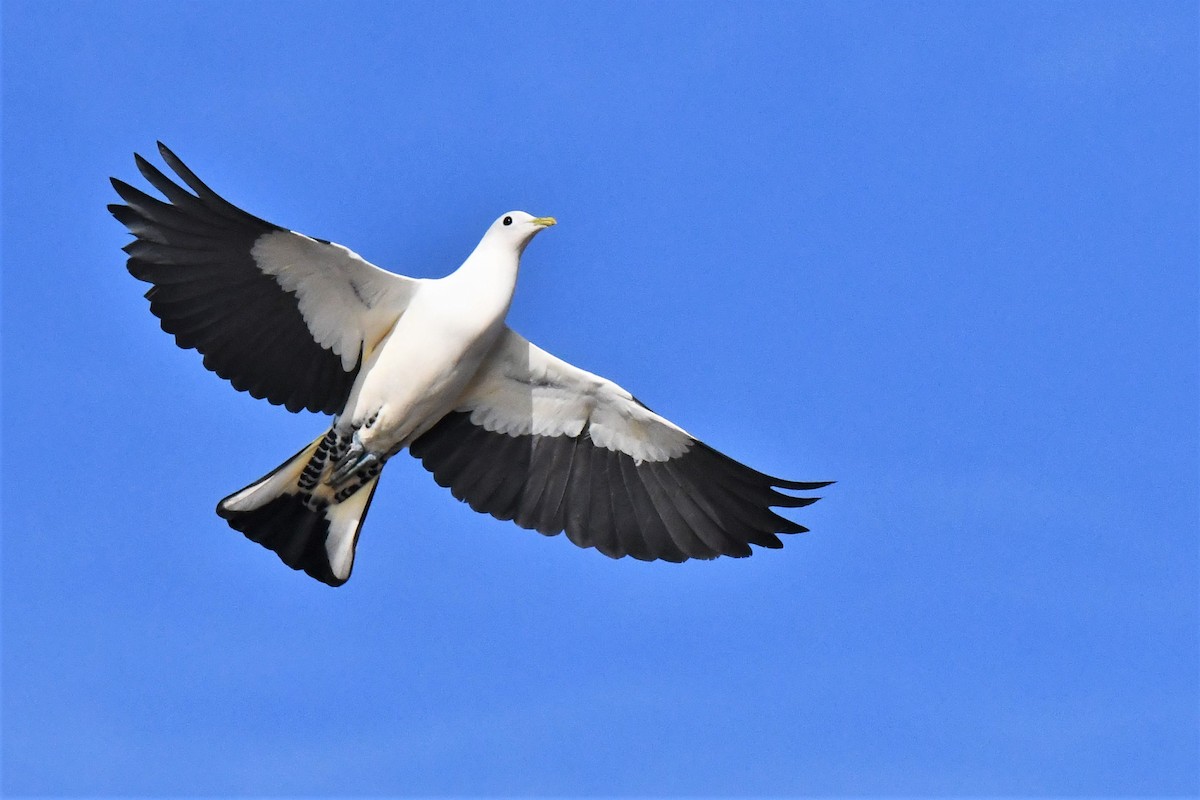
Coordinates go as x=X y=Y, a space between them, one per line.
x=553 y=448
x=278 y=314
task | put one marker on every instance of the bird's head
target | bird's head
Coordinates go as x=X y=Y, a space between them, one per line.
x=516 y=228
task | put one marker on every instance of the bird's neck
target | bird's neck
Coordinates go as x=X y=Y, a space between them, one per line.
x=490 y=271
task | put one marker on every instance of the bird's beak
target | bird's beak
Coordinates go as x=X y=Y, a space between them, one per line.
x=544 y=222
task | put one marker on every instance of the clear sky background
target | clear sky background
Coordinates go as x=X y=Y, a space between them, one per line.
x=944 y=253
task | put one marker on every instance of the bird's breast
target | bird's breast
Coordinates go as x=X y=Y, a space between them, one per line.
x=420 y=369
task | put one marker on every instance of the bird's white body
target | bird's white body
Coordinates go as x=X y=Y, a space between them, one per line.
x=419 y=370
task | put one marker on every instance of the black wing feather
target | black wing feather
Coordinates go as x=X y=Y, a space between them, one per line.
x=682 y=535
x=701 y=504
x=212 y=297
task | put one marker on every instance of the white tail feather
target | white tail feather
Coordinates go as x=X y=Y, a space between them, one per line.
x=280 y=481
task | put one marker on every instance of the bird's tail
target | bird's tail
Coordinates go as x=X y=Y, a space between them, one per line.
x=292 y=510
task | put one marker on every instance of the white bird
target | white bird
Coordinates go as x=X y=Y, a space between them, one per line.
x=428 y=365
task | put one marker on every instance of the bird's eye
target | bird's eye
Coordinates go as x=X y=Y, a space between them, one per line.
x=508 y=220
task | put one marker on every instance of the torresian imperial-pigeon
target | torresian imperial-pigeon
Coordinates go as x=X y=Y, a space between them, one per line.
x=430 y=366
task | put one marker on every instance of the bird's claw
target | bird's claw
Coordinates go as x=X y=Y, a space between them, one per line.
x=357 y=458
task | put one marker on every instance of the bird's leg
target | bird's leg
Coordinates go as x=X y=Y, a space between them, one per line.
x=356 y=459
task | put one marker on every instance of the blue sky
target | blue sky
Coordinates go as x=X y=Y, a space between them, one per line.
x=944 y=253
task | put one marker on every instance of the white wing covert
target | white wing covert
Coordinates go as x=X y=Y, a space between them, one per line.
x=278 y=314
x=552 y=447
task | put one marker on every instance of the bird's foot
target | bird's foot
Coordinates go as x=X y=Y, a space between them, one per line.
x=356 y=460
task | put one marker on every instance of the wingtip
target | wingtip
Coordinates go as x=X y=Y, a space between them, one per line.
x=804 y=502
x=802 y=486
x=169 y=156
